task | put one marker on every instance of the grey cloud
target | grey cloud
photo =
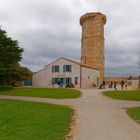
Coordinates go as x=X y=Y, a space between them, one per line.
x=55 y=45
x=49 y=29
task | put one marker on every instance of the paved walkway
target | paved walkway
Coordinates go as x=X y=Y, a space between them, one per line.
x=98 y=117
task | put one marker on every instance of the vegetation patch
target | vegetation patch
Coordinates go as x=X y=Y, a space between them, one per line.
x=21 y=120
x=134 y=113
x=133 y=95
x=58 y=93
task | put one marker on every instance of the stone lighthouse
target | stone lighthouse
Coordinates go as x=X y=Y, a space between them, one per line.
x=92 y=42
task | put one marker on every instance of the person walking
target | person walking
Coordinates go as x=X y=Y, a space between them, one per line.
x=103 y=83
x=126 y=84
x=111 y=84
x=115 y=86
x=122 y=84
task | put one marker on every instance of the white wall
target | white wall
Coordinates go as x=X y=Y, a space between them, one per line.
x=89 y=77
x=44 y=77
x=74 y=73
x=40 y=78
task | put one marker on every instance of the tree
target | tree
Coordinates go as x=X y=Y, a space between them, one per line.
x=25 y=73
x=10 y=52
x=10 y=55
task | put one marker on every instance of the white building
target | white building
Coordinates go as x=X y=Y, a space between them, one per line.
x=65 y=71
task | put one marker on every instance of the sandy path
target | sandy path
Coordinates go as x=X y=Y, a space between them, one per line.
x=101 y=118
x=98 y=117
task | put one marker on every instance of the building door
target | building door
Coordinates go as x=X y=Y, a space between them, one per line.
x=62 y=82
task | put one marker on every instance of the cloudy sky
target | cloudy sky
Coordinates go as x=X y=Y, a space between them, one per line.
x=49 y=29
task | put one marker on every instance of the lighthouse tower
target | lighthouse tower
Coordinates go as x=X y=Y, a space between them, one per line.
x=92 y=42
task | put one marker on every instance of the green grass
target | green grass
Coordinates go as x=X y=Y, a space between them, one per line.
x=134 y=113
x=124 y=95
x=58 y=93
x=21 y=120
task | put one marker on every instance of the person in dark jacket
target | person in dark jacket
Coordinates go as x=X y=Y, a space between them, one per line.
x=115 y=85
x=122 y=84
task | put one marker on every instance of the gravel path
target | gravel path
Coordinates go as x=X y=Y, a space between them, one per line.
x=98 y=117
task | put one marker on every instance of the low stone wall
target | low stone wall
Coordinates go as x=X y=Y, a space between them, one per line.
x=135 y=83
x=116 y=79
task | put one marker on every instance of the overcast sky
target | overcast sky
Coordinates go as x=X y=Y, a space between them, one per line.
x=49 y=29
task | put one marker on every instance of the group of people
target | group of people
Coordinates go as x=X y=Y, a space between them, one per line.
x=111 y=84
x=67 y=85
x=102 y=85
x=114 y=85
x=124 y=83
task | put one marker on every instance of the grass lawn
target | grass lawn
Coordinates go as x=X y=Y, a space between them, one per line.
x=58 y=93
x=134 y=113
x=21 y=120
x=124 y=95
x=127 y=95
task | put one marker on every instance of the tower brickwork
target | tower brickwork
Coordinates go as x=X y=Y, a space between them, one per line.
x=92 y=42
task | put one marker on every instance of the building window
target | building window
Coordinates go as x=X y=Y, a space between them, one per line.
x=55 y=80
x=68 y=80
x=67 y=68
x=55 y=68
x=61 y=81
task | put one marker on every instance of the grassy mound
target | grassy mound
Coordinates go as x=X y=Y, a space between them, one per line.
x=20 y=120
x=134 y=113
x=58 y=93
x=133 y=95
